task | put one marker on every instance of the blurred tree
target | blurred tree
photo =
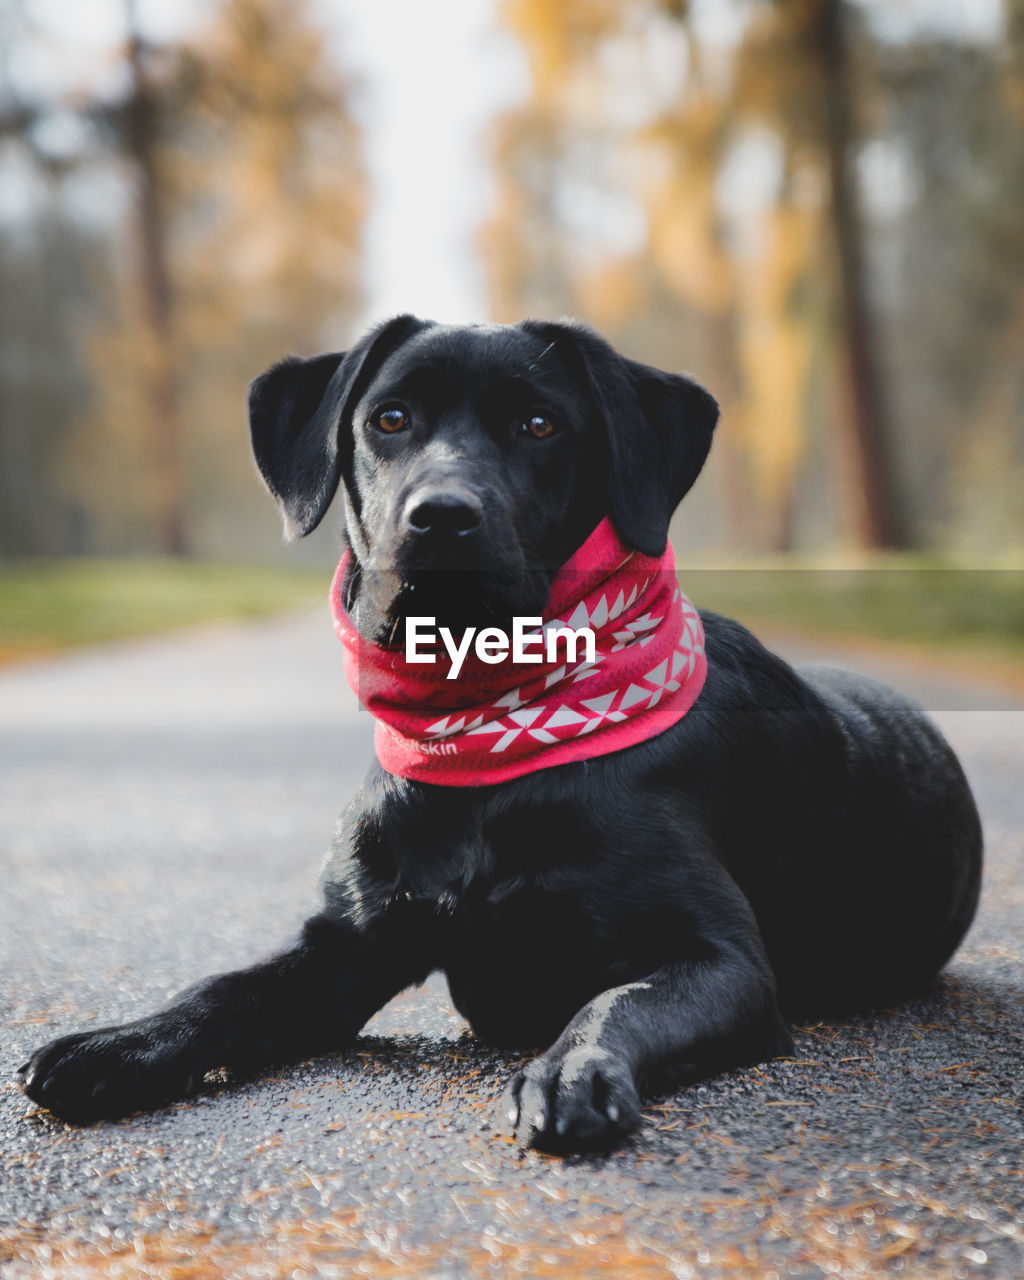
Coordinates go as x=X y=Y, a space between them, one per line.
x=576 y=167
x=263 y=199
x=747 y=275
x=140 y=118
x=951 y=259
x=51 y=276
x=51 y=273
x=795 y=73
x=545 y=152
x=248 y=199
x=869 y=464
x=757 y=281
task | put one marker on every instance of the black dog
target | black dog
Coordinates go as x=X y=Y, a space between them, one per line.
x=796 y=842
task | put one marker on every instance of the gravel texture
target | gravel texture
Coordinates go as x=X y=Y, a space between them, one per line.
x=163 y=805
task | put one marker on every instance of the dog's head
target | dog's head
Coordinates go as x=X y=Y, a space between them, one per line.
x=474 y=460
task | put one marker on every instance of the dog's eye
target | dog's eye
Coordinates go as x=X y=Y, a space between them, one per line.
x=539 y=427
x=392 y=420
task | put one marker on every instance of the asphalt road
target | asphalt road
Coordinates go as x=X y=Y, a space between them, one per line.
x=163 y=809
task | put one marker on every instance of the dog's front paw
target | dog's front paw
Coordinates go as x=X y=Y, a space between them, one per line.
x=575 y=1100
x=113 y=1071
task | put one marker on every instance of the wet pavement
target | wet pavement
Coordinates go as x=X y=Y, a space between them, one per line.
x=163 y=808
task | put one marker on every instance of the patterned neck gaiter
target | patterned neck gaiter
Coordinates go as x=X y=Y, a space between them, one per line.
x=497 y=721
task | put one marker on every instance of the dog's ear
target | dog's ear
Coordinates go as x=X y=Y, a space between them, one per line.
x=659 y=427
x=300 y=421
x=656 y=451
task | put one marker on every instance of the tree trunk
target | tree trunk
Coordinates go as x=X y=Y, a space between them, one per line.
x=156 y=301
x=876 y=517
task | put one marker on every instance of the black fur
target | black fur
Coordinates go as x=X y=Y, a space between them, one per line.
x=798 y=842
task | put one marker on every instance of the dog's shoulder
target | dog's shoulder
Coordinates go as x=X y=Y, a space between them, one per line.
x=755 y=689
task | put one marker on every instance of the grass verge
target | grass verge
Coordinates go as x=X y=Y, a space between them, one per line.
x=944 y=611
x=56 y=604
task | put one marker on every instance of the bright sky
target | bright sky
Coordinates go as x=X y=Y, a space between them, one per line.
x=434 y=74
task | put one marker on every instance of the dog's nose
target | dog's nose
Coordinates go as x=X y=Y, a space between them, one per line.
x=443 y=511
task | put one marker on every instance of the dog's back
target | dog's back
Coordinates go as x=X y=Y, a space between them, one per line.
x=913 y=834
x=861 y=845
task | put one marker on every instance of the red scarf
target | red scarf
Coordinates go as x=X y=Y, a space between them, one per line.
x=499 y=721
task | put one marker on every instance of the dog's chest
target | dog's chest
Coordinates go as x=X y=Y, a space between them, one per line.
x=521 y=957
x=528 y=930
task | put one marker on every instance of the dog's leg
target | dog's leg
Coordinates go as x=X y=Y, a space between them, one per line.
x=308 y=999
x=694 y=1016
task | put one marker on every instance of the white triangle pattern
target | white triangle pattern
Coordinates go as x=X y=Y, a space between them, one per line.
x=448 y=725
x=540 y=722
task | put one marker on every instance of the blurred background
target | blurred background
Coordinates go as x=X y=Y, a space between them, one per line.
x=815 y=206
